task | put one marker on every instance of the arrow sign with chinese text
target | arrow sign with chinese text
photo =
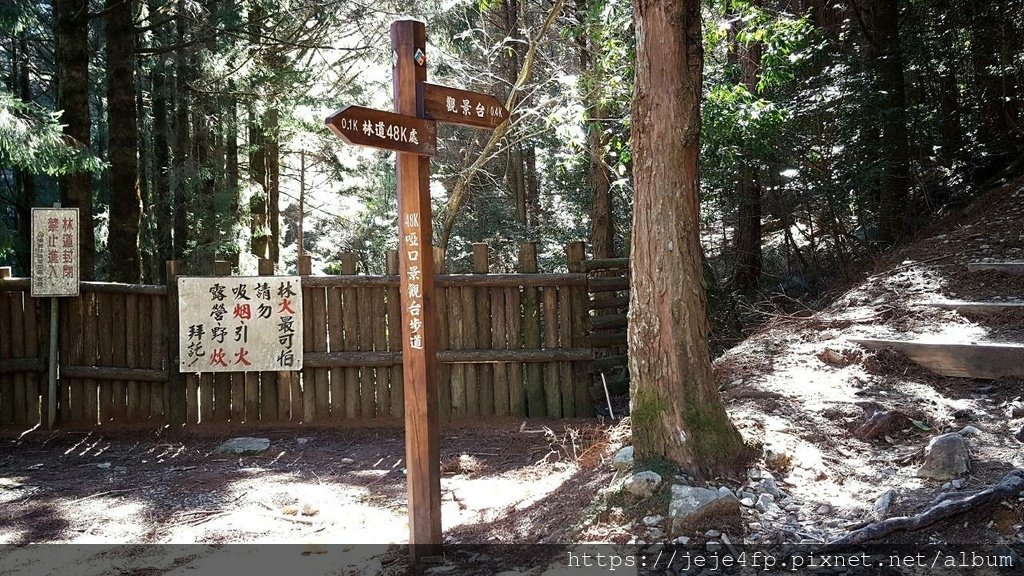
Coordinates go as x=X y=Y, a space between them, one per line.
x=456 y=106
x=379 y=129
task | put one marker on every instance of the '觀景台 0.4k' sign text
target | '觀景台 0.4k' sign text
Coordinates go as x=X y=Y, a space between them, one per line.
x=240 y=324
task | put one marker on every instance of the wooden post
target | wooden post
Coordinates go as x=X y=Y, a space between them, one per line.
x=485 y=372
x=303 y=401
x=226 y=405
x=444 y=371
x=175 y=379
x=350 y=320
x=273 y=397
x=535 y=403
x=575 y=253
x=394 y=314
x=422 y=435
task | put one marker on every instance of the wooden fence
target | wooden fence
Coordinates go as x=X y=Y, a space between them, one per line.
x=508 y=345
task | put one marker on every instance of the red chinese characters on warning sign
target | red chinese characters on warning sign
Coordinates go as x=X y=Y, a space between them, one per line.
x=240 y=324
x=54 y=252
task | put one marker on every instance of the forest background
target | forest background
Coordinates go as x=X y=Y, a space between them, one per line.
x=193 y=130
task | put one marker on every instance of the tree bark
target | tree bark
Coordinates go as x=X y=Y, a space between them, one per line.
x=161 y=197
x=747 y=238
x=71 y=31
x=883 y=47
x=180 y=196
x=676 y=411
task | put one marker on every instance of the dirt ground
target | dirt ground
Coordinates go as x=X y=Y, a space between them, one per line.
x=802 y=389
x=798 y=387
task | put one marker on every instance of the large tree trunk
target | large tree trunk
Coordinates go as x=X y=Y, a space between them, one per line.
x=747 y=239
x=675 y=407
x=72 y=37
x=180 y=196
x=24 y=180
x=161 y=196
x=884 y=49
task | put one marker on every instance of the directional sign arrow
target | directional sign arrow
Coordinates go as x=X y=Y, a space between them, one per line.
x=456 y=106
x=379 y=129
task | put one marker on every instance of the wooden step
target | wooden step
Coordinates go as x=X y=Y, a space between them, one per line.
x=987 y=360
x=1015 y=268
x=966 y=307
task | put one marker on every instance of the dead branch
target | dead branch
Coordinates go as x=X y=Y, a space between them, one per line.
x=1010 y=486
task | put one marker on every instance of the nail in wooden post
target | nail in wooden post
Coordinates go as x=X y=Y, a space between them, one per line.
x=416 y=273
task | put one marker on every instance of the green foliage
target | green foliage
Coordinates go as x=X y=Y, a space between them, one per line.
x=31 y=139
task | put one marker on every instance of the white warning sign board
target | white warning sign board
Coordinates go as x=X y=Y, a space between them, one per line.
x=55 y=270
x=240 y=324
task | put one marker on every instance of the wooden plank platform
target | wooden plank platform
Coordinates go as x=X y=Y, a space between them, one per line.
x=1015 y=268
x=978 y=307
x=987 y=361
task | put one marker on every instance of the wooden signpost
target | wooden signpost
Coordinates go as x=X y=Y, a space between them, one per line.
x=416 y=104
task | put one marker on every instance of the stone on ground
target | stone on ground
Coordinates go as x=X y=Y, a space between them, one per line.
x=643 y=484
x=945 y=458
x=243 y=446
x=880 y=509
x=691 y=507
x=623 y=459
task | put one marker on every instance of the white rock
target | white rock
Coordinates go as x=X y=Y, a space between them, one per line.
x=690 y=506
x=945 y=458
x=970 y=431
x=103 y=465
x=880 y=509
x=653 y=520
x=302 y=441
x=643 y=484
x=682 y=540
x=347 y=461
x=768 y=486
x=748 y=502
x=623 y=459
x=766 y=502
x=713 y=533
x=243 y=445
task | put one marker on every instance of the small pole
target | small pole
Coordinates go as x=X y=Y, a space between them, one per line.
x=51 y=405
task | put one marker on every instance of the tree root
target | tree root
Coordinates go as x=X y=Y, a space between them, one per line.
x=1011 y=485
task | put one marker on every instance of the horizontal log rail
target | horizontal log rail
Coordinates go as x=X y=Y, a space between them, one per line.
x=989 y=361
x=113 y=373
x=609 y=362
x=608 y=303
x=607 y=339
x=322 y=360
x=347 y=281
x=13 y=365
x=608 y=284
x=605 y=264
x=606 y=322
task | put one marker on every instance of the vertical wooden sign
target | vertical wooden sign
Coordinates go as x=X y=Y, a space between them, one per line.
x=416 y=272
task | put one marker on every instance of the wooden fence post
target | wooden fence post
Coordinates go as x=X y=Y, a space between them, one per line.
x=302 y=383
x=266 y=396
x=575 y=254
x=316 y=388
x=535 y=402
x=226 y=405
x=175 y=379
x=350 y=320
x=484 y=336
x=443 y=335
x=394 y=317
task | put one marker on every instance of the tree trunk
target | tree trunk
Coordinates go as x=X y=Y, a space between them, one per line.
x=273 y=143
x=747 y=238
x=258 y=201
x=675 y=407
x=161 y=202
x=182 y=142
x=125 y=202
x=72 y=37
x=884 y=50
x=24 y=180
